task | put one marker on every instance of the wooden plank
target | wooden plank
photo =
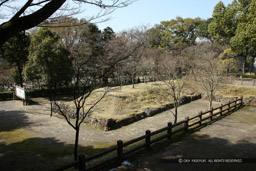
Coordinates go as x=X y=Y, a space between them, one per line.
x=159 y=138
x=134 y=140
x=111 y=149
x=159 y=131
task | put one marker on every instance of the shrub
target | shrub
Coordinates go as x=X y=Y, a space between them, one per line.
x=6 y=95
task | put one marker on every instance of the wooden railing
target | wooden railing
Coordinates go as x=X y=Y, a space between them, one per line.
x=123 y=149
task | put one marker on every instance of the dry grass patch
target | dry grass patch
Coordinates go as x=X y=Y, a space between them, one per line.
x=128 y=101
x=228 y=90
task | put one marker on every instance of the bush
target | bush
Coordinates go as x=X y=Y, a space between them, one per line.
x=34 y=93
x=6 y=95
x=246 y=76
x=37 y=93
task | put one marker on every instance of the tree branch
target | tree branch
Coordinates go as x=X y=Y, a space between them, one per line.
x=12 y=27
x=21 y=11
x=67 y=119
x=88 y=111
x=3 y=2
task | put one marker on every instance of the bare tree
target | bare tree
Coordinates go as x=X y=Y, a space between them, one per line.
x=171 y=74
x=208 y=71
x=33 y=12
x=150 y=62
x=130 y=67
x=90 y=68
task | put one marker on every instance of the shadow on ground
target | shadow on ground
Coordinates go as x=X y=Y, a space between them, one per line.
x=38 y=154
x=228 y=142
x=21 y=151
x=17 y=118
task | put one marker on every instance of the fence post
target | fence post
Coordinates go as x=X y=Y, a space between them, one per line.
x=253 y=83
x=169 y=130
x=147 y=140
x=200 y=118
x=221 y=107
x=120 y=150
x=81 y=162
x=186 y=123
x=229 y=106
x=236 y=103
x=241 y=80
x=211 y=113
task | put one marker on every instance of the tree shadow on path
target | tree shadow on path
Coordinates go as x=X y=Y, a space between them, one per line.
x=11 y=120
x=38 y=154
x=203 y=147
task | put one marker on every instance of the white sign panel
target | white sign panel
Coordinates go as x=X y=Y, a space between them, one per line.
x=20 y=92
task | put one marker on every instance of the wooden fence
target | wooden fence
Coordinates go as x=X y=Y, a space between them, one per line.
x=123 y=149
x=240 y=81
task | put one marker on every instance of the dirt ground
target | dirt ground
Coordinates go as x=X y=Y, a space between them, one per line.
x=32 y=140
x=36 y=120
x=233 y=137
x=29 y=136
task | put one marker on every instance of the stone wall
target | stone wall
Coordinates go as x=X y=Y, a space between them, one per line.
x=247 y=100
x=110 y=124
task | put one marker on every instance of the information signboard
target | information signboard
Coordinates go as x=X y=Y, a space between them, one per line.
x=20 y=92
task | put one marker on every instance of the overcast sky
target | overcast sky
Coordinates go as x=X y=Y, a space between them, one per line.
x=151 y=12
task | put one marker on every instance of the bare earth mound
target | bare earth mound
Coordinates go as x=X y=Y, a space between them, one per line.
x=126 y=105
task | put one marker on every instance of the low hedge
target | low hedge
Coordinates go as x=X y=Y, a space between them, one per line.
x=6 y=95
x=246 y=76
x=30 y=93
x=33 y=93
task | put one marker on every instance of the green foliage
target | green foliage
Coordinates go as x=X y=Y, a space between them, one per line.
x=153 y=37
x=48 y=61
x=177 y=34
x=6 y=95
x=246 y=76
x=202 y=29
x=224 y=22
x=227 y=53
x=235 y=25
x=107 y=34
x=15 y=52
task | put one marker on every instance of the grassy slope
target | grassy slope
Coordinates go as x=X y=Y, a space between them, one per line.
x=119 y=104
x=128 y=101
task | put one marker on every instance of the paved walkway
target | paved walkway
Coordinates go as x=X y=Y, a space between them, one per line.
x=232 y=137
x=36 y=120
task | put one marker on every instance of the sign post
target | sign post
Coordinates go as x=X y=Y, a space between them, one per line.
x=21 y=93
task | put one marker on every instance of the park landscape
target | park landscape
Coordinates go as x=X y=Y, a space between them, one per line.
x=184 y=88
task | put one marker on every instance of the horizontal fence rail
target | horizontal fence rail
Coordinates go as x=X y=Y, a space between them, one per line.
x=123 y=149
x=240 y=81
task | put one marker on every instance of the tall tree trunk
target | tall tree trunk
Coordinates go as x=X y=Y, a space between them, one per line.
x=210 y=103
x=120 y=80
x=132 y=81
x=176 y=114
x=76 y=143
x=20 y=74
x=210 y=100
x=244 y=62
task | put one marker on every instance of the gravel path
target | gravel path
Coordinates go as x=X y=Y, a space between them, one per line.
x=37 y=121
